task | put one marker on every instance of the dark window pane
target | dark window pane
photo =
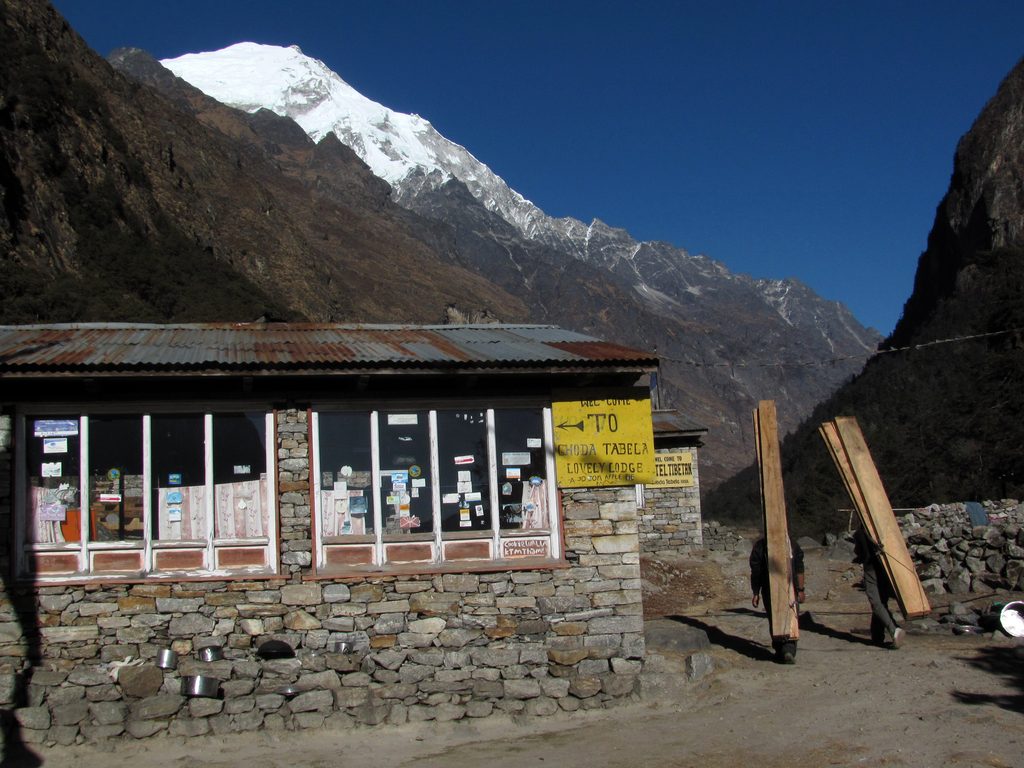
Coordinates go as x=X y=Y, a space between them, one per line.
x=52 y=455
x=346 y=506
x=463 y=470
x=115 y=478
x=522 y=468
x=405 y=472
x=179 y=476
x=241 y=507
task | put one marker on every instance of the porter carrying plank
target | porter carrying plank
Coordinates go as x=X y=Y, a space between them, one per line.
x=850 y=453
x=783 y=618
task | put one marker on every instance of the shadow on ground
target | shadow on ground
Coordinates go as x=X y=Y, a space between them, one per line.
x=721 y=638
x=1007 y=663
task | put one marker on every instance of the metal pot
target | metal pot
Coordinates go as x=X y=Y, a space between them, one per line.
x=200 y=685
x=211 y=653
x=166 y=659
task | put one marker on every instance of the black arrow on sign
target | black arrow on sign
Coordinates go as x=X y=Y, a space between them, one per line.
x=566 y=425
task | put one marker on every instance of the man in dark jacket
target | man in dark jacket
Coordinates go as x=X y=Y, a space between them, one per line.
x=878 y=588
x=785 y=648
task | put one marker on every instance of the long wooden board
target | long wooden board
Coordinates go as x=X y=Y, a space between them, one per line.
x=852 y=458
x=783 y=618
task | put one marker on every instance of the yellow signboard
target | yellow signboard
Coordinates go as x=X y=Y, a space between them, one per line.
x=603 y=438
x=673 y=470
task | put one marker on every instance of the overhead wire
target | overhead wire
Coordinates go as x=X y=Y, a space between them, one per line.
x=841 y=359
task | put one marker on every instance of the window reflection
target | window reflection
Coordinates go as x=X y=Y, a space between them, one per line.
x=405 y=473
x=54 y=506
x=345 y=506
x=179 y=477
x=115 y=478
x=522 y=469
x=463 y=470
x=240 y=475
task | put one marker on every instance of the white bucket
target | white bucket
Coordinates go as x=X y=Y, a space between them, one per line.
x=1012 y=618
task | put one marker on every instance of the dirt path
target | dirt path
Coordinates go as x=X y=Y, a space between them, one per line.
x=942 y=699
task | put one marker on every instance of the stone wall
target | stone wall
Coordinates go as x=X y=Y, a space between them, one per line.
x=670 y=521
x=952 y=555
x=721 y=538
x=77 y=662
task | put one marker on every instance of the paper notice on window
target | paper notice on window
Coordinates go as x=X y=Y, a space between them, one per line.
x=450 y=498
x=53 y=513
x=51 y=469
x=534 y=442
x=465 y=476
x=474 y=496
x=243 y=469
x=402 y=419
x=514 y=458
x=55 y=445
x=55 y=427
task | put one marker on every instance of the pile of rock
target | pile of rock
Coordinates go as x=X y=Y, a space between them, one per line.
x=953 y=554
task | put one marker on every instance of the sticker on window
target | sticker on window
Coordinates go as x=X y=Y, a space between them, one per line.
x=55 y=445
x=55 y=427
x=402 y=419
x=243 y=469
x=512 y=458
x=51 y=469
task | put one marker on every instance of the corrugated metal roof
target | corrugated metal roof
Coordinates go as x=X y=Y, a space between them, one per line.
x=671 y=422
x=118 y=347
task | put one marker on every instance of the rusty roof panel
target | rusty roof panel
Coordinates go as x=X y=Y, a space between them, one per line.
x=131 y=348
x=670 y=421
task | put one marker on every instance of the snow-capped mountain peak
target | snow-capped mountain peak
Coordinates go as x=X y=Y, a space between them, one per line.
x=407 y=152
x=396 y=146
x=251 y=76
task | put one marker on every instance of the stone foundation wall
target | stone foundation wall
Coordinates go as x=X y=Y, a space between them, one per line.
x=670 y=521
x=77 y=662
x=952 y=555
x=721 y=538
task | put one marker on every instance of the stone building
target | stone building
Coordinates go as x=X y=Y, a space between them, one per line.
x=221 y=528
x=670 y=517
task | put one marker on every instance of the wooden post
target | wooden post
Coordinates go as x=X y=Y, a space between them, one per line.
x=783 y=619
x=850 y=453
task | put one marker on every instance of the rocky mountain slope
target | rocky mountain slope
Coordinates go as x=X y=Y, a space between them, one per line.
x=736 y=338
x=943 y=409
x=143 y=199
x=120 y=205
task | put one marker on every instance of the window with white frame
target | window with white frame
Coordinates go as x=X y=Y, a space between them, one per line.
x=425 y=487
x=127 y=494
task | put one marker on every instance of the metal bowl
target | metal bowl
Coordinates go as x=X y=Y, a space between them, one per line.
x=167 y=659
x=211 y=653
x=200 y=685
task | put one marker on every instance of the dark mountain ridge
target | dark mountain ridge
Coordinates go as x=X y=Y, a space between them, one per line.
x=943 y=409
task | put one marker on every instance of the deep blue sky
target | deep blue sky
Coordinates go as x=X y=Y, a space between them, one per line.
x=785 y=139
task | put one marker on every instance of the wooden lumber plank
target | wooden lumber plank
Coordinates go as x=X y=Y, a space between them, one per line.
x=878 y=511
x=838 y=453
x=783 y=619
